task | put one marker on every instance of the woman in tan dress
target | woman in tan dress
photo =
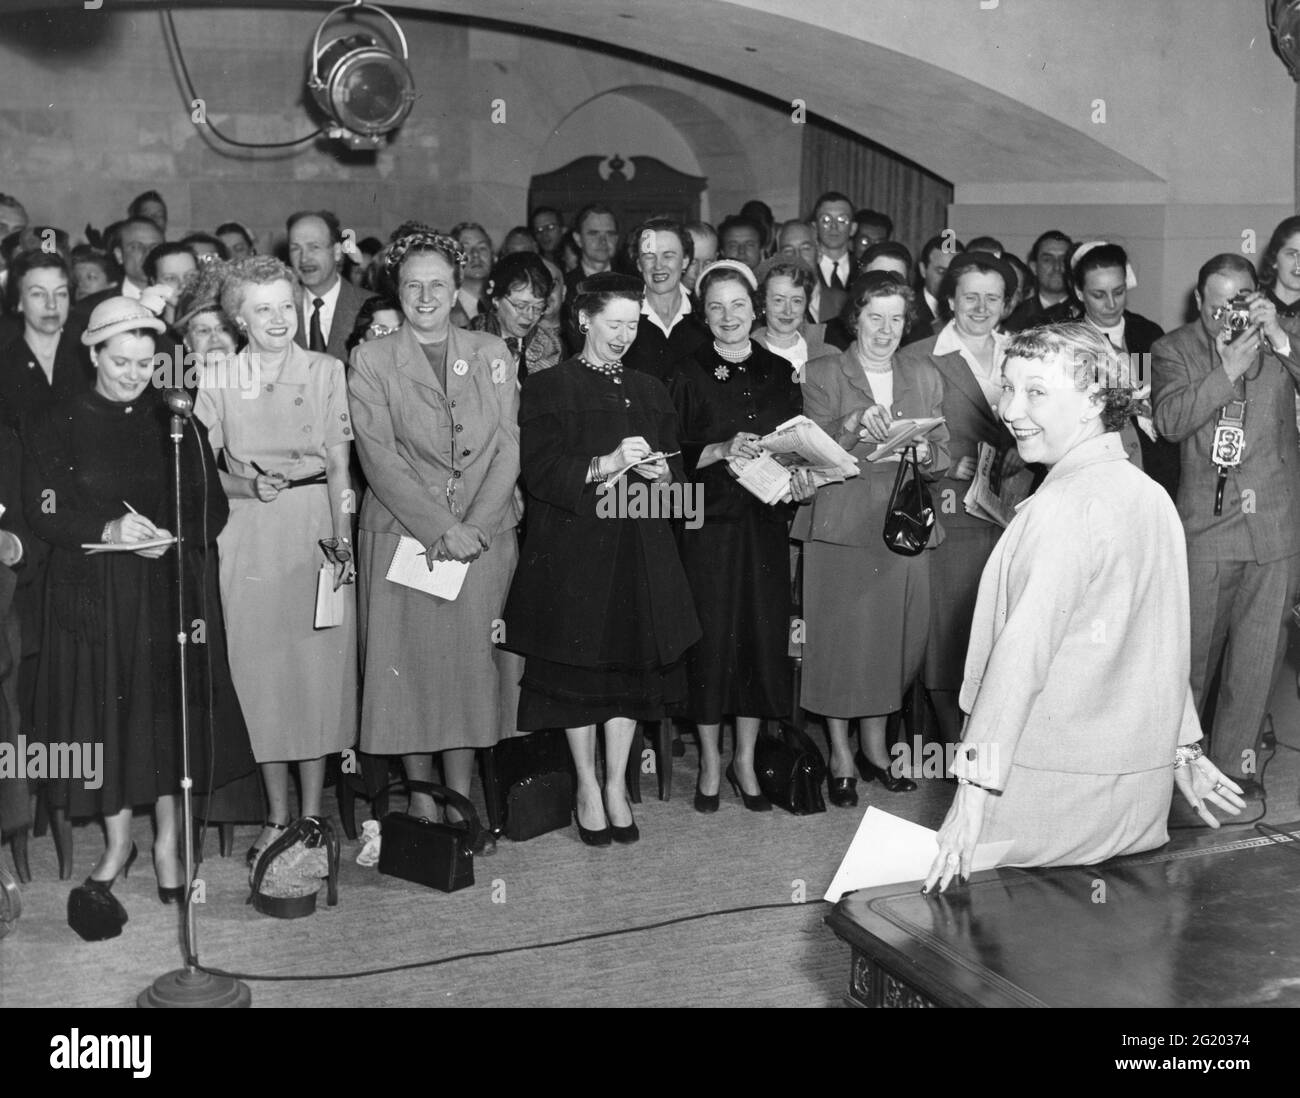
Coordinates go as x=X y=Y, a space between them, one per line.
x=436 y=411
x=281 y=417
x=1081 y=719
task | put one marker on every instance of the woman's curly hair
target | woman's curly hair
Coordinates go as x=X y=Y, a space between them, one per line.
x=1091 y=360
x=256 y=270
x=423 y=243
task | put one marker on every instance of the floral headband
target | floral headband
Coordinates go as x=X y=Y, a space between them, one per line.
x=401 y=248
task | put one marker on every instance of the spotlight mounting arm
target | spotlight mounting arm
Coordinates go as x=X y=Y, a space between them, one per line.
x=315 y=82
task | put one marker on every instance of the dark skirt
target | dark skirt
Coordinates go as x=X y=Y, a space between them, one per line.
x=108 y=681
x=955 y=570
x=557 y=695
x=740 y=575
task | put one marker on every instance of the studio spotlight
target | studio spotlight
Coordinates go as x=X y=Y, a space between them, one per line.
x=360 y=83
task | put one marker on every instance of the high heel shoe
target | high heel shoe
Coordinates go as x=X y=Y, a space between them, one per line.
x=754 y=802
x=705 y=802
x=93 y=911
x=588 y=836
x=255 y=851
x=843 y=791
x=870 y=771
x=168 y=895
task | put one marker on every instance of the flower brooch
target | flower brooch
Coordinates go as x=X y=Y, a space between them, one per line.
x=722 y=373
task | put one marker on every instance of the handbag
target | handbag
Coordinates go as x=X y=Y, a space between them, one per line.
x=909 y=519
x=429 y=852
x=536 y=771
x=287 y=875
x=790 y=770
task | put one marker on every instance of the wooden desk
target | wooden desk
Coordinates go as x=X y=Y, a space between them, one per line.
x=1207 y=920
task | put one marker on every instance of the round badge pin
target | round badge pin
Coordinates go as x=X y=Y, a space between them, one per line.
x=460 y=367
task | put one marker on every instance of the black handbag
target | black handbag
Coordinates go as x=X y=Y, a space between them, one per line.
x=536 y=771
x=909 y=521
x=429 y=852
x=790 y=770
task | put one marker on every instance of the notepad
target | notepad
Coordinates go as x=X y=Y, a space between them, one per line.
x=125 y=546
x=410 y=568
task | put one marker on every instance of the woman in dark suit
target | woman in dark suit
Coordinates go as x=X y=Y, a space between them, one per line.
x=435 y=409
x=867 y=610
x=600 y=606
x=737 y=556
x=967 y=353
x=108 y=665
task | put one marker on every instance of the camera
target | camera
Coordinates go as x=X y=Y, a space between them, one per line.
x=1234 y=317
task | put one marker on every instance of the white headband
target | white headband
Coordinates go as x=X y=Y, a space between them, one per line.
x=731 y=265
x=1130 y=279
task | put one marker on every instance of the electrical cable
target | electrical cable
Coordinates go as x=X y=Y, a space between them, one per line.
x=169 y=27
x=476 y=954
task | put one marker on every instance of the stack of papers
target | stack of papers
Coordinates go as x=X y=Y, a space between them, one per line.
x=890 y=850
x=410 y=568
x=126 y=546
x=903 y=433
x=796 y=444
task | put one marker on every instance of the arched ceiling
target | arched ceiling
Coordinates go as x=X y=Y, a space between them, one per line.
x=956 y=127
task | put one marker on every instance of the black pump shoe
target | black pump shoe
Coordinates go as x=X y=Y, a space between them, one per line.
x=883 y=775
x=843 y=792
x=704 y=802
x=625 y=835
x=591 y=838
x=168 y=895
x=756 y=802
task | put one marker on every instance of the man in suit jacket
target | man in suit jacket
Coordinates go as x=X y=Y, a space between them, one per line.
x=329 y=303
x=1244 y=562
x=46 y=360
x=1048 y=258
x=834 y=225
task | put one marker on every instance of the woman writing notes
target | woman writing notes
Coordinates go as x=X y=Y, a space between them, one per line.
x=1081 y=719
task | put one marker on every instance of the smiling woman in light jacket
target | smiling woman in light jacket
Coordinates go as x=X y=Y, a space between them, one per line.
x=1081 y=716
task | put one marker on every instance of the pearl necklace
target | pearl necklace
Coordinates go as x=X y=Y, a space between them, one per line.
x=734 y=354
x=612 y=370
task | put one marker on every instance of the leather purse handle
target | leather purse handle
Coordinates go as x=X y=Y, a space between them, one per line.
x=462 y=803
x=301 y=829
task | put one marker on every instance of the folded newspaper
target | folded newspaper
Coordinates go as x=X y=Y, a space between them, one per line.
x=796 y=444
x=992 y=496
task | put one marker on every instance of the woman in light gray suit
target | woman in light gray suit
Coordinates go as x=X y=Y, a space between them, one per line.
x=435 y=412
x=867 y=610
x=1081 y=718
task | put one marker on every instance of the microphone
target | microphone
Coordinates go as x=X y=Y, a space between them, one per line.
x=179 y=403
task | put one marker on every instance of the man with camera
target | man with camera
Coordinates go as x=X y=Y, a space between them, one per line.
x=1224 y=389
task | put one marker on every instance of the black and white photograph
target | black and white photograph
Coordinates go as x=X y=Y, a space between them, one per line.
x=612 y=504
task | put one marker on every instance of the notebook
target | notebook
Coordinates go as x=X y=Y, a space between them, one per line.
x=410 y=568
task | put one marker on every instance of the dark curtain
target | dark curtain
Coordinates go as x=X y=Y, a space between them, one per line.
x=874 y=178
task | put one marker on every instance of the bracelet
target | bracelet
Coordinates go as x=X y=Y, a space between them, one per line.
x=597 y=477
x=103 y=534
x=1187 y=754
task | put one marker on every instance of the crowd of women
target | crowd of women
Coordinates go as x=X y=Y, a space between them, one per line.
x=479 y=443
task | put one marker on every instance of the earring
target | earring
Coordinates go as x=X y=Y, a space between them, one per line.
x=584 y=328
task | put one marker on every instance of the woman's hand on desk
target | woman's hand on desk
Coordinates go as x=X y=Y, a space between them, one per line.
x=958 y=837
x=1202 y=783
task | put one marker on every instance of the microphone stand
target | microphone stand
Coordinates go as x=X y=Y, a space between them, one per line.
x=188 y=986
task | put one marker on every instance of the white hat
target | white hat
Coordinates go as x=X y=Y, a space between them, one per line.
x=117 y=315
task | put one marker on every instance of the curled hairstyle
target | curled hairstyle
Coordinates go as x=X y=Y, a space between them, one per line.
x=1089 y=358
x=256 y=270
x=423 y=243
x=798 y=273
x=873 y=285
x=1286 y=229
x=519 y=270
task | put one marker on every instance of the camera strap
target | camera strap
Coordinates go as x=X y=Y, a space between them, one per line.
x=1229 y=442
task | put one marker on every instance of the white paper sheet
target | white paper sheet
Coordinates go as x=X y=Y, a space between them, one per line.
x=410 y=568
x=890 y=850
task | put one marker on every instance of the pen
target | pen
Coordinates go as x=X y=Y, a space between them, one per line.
x=130 y=508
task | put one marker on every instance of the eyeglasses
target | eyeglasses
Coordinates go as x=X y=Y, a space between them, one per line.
x=334 y=552
x=834 y=219
x=527 y=308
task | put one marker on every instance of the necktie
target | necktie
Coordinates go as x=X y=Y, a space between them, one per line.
x=837 y=283
x=513 y=343
x=315 y=340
